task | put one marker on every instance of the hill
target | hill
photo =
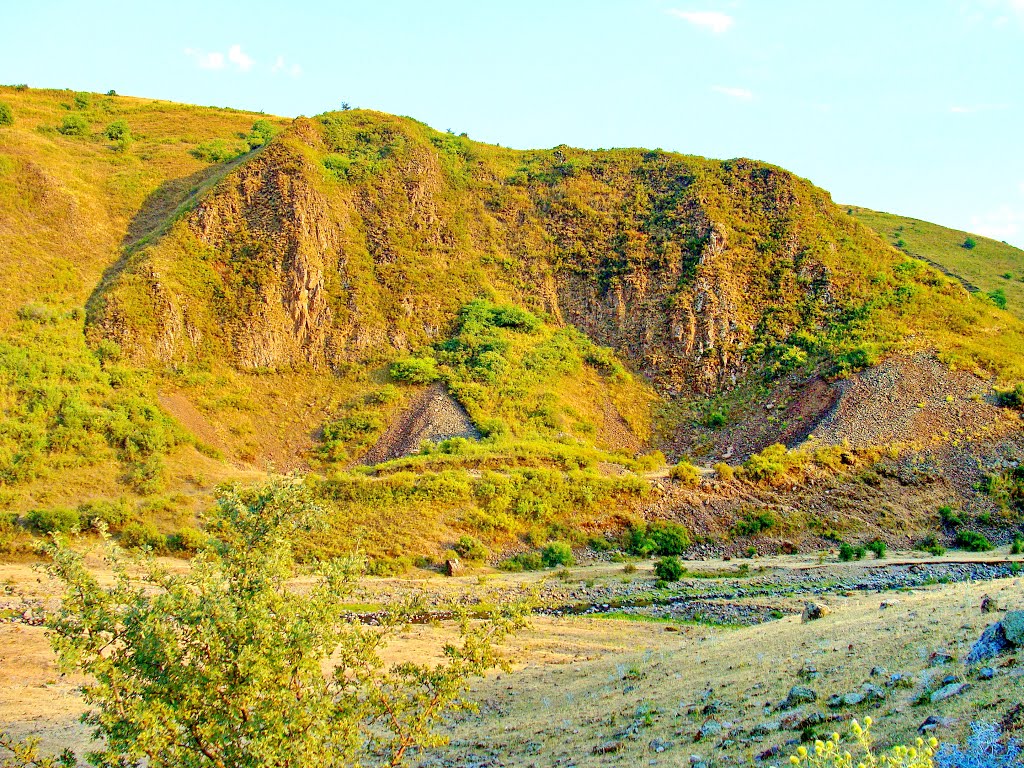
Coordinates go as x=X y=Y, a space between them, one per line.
x=196 y=295
x=987 y=266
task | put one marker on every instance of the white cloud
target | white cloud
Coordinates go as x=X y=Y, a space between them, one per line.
x=237 y=57
x=280 y=65
x=736 y=93
x=1004 y=223
x=212 y=60
x=711 y=20
x=217 y=60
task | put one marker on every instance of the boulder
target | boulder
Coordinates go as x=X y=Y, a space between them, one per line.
x=799 y=694
x=948 y=691
x=453 y=567
x=814 y=611
x=1013 y=627
x=992 y=642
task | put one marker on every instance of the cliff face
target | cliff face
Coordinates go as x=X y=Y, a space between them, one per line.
x=358 y=235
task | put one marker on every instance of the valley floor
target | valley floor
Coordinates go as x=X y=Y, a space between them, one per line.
x=638 y=681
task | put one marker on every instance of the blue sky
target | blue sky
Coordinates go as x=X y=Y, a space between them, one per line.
x=909 y=106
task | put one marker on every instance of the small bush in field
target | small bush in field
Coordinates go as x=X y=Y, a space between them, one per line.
x=669 y=569
x=848 y=552
x=6 y=115
x=524 y=561
x=1017 y=548
x=1011 y=398
x=557 y=553
x=724 y=471
x=931 y=545
x=969 y=243
x=878 y=547
x=754 y=522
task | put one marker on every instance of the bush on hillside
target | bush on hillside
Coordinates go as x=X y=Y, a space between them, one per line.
x=848 y=552
x=74 y=125
x=772 y=463
x=262 y=132
x=524 y=561
x=57 y=519
x=661 y=537
x=878 y=547
x=111 y=514
x=754 y=522
x=415 y=370
x=117 y=130
x=998 y=297
x=1011 y=398
x=973 y=541
x=470 y=549
x=6 y=114
x=969 y=243
x=219 y=151
x=187 y=540
x=143 y=536
x=686 y=473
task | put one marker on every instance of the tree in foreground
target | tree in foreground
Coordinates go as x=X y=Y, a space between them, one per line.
x=226 y=665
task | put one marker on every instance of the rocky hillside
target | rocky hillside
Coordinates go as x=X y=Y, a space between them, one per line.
x=196 y=295
x=356 y=236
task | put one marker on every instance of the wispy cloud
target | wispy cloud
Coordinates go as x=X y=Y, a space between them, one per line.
x=235 y=56
x=735 y=93
x=712 y=20
x=203 y=60
x=1004 y=223
x=280 y=65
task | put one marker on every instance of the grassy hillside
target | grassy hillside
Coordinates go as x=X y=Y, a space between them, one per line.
x=989 y=266
x=197 y=294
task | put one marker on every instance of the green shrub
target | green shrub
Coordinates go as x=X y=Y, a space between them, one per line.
x=847 y=552
x=969 y=243
x=754 y=522
x=931 y=545
x=524 y=561
x=724 y=471
x=57 y=519
x=685 y=473
x=661 y=537
x=878 y=547
x=972 y=541
x=998 y=297
x=186 y=540
x=112 y=514
x=557 y=553
x=669 y=569
x=117 y=131
x=948 y=515
x=143 y=536
x=715 y=419
x=1011 y=398
x=6 y=115
x=1017 y=547
x=219 y=151
x=470 y=549
x=74 y=125
x=415 y=370
x=82 y=100
x=262 y=132
x=772 y=463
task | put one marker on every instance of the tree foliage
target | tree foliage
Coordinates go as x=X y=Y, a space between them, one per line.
x=223 y=665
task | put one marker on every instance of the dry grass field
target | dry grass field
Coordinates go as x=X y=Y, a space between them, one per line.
x=612 y=690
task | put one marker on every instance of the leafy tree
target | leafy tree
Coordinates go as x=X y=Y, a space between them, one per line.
x=221 y=666
x=557 y=553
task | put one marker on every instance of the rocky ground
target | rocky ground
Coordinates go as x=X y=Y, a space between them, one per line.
x=717 y=669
